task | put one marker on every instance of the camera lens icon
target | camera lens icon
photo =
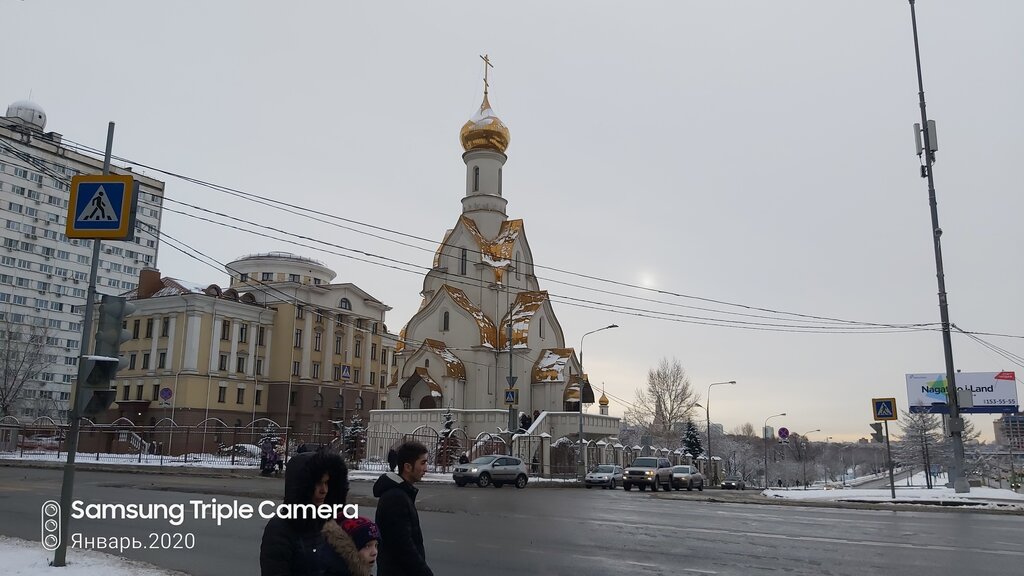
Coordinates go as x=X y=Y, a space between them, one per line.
x=50 y=525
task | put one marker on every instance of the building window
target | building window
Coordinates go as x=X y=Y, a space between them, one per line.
x=161 y=360
x=240 y=365
x=145 y=361
x=135 y=329
x=156 y=392
x=383 y=380
x=358 y=349
x=373 y=351
x=337 y=372
x=373 y=378
x=337 y=344
x=540 y=326
x=138 y=391
x=125 y=396
x=318 y=400
x=300 y=312
x=260 y=335
x=462 y=262
x=165 y=327
x=298 y=337
x=267 y=277
x=359 y=402
x=294 y=278
x=373 y=328
x=259 y=367
x=243 y=333
x=243 y=277
x=445 y=321
x=259 y=396
x=355 y=376
x=344 y=304
x=499 y=181
x=296 y=367
x=316 y=369
x=292 y=397
x=517 y=266
x=225 y=330
x=222 y=393
x=317 y=336
x=383 y=404
x=222 y=363
x=149 y=327
x=131 y=362
x=476 y=178
x=384 y=356
x=240 y=396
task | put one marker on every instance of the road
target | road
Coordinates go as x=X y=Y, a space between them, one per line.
x=557 y=531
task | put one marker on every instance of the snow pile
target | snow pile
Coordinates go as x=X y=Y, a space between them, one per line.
x=22 y=557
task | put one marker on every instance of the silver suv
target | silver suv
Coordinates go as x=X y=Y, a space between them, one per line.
x=648 y=471
x=493 y=469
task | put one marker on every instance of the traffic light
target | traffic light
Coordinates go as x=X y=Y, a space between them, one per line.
x=877 y=434
x=109 y=325
x=96 y=372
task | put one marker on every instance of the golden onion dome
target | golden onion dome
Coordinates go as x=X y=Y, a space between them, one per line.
x=604 y=400
x=484 y=131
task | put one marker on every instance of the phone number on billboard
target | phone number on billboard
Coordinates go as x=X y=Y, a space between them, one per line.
x=1005 y=401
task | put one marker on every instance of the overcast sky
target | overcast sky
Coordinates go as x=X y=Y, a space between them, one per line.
x=758 y=153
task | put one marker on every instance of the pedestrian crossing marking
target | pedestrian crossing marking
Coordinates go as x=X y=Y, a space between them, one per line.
x=98 y=208
x=884 y=409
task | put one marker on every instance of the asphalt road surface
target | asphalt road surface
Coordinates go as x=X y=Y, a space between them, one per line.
x=543 y=530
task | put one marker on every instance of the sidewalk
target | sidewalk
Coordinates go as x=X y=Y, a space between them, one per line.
x=26 y=558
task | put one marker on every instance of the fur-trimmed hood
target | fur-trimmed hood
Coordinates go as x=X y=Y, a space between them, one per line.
x=346 y=549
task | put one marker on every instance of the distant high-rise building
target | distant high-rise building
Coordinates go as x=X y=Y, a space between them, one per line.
x=44 y=275
x=1009 y=430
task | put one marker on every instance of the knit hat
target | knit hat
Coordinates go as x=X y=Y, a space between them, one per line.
x=361 y=530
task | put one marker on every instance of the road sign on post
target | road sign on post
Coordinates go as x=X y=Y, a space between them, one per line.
x=102 y=207
x=884 y=408
x=512 y=396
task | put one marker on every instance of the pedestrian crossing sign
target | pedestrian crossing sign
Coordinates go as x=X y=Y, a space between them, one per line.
x=512 y=396
x=884 y=408
x=101 y=207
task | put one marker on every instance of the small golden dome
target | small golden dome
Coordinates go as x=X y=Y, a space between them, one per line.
x=604 y=400
x=484 y=131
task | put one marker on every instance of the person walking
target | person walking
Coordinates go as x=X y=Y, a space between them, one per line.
x=401 y=550
x=290 y=545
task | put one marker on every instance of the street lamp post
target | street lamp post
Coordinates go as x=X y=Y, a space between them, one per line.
x=764 y=434
x=579 y=459
x=803 y=453
x=707 y=416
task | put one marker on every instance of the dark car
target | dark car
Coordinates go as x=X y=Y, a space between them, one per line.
x=733 y=482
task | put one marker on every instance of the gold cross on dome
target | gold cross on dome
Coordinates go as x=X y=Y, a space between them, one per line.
x=487 y=64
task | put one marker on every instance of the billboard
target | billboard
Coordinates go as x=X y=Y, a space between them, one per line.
x=993 y=392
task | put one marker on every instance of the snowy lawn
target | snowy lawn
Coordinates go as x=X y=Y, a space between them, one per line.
x=916 y=493
x=22 y=557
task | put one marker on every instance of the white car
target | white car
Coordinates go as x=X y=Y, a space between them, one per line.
x=605 y=476
x=493 y=470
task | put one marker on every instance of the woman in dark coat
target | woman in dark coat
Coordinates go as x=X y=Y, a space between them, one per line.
x=298 y=546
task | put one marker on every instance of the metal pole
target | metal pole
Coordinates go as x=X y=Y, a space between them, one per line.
x=956 y=423
x=511 y=407
x=67 y=487
x=764 y=434
x=888 y=455
x=707 y=416
x=580 y=460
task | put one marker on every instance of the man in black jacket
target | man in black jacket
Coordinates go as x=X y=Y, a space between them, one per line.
x=401 y=544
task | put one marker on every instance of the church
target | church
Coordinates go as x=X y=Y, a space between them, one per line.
x=485 y=331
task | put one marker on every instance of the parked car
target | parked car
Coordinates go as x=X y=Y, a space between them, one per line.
x=648 y=471
x=39 y=442
x=687 y=477
x=494 y=469
x=733 y=482
x=605 y=476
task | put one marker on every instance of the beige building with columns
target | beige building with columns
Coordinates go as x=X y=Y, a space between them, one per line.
x=279 y=342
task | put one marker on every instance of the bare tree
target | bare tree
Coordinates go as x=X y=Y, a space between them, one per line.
x=22 y=359
x=665 y=401
x=745 y=430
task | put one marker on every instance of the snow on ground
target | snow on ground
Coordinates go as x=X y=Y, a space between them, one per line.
x=22 y=557
x=914 y=493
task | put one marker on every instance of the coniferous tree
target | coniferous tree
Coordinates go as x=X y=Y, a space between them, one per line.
x=691 y=440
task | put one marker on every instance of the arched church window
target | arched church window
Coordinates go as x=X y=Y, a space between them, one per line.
x=359 y=402
x=476 y=178
x=426 y=362
x=540 y=326
x=499 y=181
x=517 y=265
x=344 y=304
x=463 y=261
x=444 y=322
